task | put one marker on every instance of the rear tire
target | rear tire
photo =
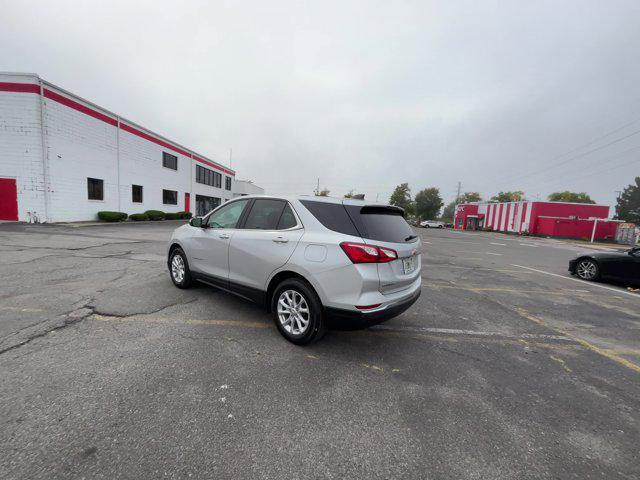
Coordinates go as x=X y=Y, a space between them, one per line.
x=588 y=269
x=179 y=269
x=298 y=312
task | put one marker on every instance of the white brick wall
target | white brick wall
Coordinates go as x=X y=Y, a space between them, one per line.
x=78 y=147
x=21 y=147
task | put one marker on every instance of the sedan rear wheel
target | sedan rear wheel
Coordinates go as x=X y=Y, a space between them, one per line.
x=587 y=270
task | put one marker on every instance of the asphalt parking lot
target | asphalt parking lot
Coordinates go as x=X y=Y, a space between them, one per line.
x=505 y=368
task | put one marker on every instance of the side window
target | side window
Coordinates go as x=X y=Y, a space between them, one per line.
x=264 y=214
x=332 y=215
x=287 y=219
x=227 y=216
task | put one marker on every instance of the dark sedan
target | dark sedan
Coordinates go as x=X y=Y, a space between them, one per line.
x=618 y=266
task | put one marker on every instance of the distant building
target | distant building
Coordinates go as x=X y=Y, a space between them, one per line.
x=555 y=219
x=63 y=158
x=246 y=187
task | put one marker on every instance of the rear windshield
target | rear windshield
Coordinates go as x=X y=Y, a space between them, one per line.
x=381 y=223
x=371 y=222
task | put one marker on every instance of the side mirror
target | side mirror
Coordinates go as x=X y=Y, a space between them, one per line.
x=196 y=222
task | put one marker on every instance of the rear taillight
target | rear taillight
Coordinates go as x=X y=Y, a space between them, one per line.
x=363 y=253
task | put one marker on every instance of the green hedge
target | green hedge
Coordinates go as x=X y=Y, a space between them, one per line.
x=139 y=217
x=172 y=215
x=155 y=214
x=107 y=216
x=186 y=215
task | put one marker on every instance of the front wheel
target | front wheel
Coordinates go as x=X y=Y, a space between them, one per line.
x=297 y=312
x=587 y=269
x=179 y=269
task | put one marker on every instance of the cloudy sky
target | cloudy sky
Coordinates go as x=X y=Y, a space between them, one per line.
x=535 y=96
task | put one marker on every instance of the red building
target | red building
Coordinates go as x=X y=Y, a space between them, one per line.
x=555 y=219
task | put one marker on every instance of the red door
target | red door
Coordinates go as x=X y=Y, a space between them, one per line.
x=8 y=199
x=187 y=202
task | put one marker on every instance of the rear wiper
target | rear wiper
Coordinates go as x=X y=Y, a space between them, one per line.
x=410 y=237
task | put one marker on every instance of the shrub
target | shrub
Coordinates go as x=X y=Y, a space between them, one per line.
x=186 y=215
x=139 y=217
x=107 y=216
x=155 y=214
x=172 y=215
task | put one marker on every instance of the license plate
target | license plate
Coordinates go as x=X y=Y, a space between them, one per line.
x=409 y=264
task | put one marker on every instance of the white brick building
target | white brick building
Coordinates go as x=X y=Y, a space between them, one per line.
x=63 y=158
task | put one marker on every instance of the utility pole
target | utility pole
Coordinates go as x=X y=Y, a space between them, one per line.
x=230 y=157
x=318 y=187
x=459 y=189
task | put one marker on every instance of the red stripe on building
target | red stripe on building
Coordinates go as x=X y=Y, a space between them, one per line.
x=523 y=216
x=19 y=87
x=67 y=102
x=507 y=218
x=499 y=217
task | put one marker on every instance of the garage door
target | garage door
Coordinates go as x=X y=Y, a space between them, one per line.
x=8 y=199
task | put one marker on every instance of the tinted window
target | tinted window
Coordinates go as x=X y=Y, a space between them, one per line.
x=381 y=223
x=287 y=219
x=264 y=214
x=95 y=189
x=169 y=161
x=169 y=197
x=136 y=193
x=227 y=216
x=332 y=215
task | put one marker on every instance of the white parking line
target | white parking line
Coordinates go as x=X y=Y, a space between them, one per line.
x=497 y=254
x=501 y=244
x=576 y=280
x=529 y=245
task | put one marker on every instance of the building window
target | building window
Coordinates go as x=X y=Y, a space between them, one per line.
x=227 y=183
x=205 y=204
x=169 y=161
x=169 y=197
x=136 y=193
x=95 y=188
x=208 y=177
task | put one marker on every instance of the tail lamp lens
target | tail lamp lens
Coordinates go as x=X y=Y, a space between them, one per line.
x=363 y=253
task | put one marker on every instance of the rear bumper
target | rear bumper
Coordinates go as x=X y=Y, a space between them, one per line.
x=359 y=319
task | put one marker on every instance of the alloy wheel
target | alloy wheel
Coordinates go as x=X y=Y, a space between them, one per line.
x=293 y=312
x=587 y=270
x=177 y=268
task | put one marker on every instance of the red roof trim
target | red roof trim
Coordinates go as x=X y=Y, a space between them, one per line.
x=19 y=87
x=68 y=102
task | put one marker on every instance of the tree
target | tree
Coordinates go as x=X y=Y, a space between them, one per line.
x=508 y=197
x=428 y=203
x=469 y=197
x=349 y=194
x=628 y=207
x=323 y=193
x=568 y=196
x=449 y=212
x=401 y=197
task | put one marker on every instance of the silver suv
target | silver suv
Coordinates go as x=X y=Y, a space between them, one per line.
x=307 y=259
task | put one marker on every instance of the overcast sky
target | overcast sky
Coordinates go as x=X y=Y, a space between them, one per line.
x=503 y=95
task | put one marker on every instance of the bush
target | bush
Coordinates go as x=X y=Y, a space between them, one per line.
x=107 y=216
x=155 y=214
x=139 y=217
x=172 y=215
x=186 y=215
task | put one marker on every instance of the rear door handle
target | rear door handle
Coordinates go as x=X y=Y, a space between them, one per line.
x=280 y=240
x=224 y=236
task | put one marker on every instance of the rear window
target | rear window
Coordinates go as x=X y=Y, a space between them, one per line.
x=332 y=215
x=381 y=223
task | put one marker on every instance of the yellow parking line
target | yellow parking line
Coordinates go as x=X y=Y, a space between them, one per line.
x=600 y=351
x=505 y=290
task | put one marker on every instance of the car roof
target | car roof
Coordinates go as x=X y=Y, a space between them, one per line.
x=314 y=198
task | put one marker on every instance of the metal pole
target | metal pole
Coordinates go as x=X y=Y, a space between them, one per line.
x=45 y=154
x=118 y=162
x=593 y=234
